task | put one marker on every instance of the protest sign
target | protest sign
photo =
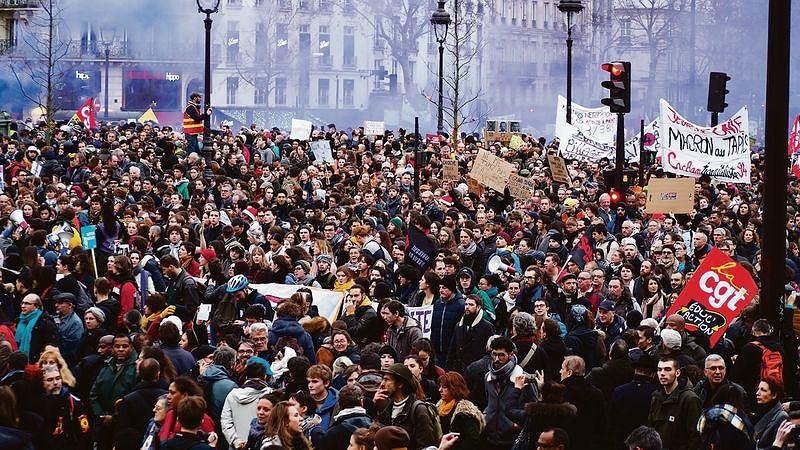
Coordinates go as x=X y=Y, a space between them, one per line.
x=515 y=142
x=597 y=124
x=721 y=152
x=491 y=171
x=652 y=142
x=474 y=186
x=450 y=169
x=558 y=169
x=374 y=128
x=715 y=295
x=301 y=129
x=424 y=316
x=419 y=249
x=327 y=301
x=433 y=139
x=520 y=187
x=88 y=237
x=670 y=195
x=322 y=151
x=575 y=145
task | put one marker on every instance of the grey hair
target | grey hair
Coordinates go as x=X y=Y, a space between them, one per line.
x=225 y=357
x=714 y=357
x=258 y=327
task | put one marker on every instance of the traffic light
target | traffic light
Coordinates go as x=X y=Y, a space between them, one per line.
x=619 y=86
x=616 y=197
x=717 y=90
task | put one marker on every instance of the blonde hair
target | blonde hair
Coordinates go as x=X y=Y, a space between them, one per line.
x=66 y=375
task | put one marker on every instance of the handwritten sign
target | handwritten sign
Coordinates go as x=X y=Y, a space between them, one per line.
x=474 y=186
x=301 y=129
x=577 y=145
x=520 y=187
x=491 y=171
x=558 y=169
x=374 y=128
x=597 y=124
x=423 y=315
x=450 y=169
x=721 y=152
x=322 y=151
x=670 y=195
x=652 y=142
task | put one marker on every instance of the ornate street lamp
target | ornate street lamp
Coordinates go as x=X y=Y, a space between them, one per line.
x=207 y=7
x=570 y=8
x=441 y=22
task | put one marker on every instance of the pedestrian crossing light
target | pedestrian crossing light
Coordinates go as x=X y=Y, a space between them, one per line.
x=618 y=85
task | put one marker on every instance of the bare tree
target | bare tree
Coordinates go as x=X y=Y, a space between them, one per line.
x=462 y=50
x=40 y=62
x=400 y=24
x=270 y=56
x=660 y=24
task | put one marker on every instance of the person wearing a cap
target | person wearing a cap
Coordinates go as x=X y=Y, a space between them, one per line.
x=447 y=311
x=468 y=285
x=398 y=406
x=609 y=322
x=70 y=326
x=630 y=402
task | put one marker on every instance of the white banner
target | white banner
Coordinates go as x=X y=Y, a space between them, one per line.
x=721 y=152
x=597 y=124
x=327 y=301
x=652 y=142
x=423 y=315
x=301 y=129
x=374 y=128
x=573 y=144
x=322 y=151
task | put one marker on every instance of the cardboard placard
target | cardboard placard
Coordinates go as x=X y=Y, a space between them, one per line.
x=558 y=169
x=474 y=186
x=670 y=195
x=301 y=129
x=520 y=187
x=450 y=169
x=374 y=128
x=322 y=151
x=491 y=171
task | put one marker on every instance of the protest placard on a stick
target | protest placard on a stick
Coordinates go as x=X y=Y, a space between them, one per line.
x=491 y=171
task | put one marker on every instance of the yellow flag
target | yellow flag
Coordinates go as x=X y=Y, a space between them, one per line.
x=148 y=115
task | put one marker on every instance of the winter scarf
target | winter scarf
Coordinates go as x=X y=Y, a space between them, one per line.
x=469 y=251
x=505 y=370
x=25 y=330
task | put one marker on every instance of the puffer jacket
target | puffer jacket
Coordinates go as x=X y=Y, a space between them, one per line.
x=446 y=315
x=239 y=410
x=285 y=326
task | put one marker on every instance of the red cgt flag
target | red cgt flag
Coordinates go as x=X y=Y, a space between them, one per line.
x=86 y=114
x=717 y=292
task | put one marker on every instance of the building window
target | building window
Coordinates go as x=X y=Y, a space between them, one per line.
x=261 y=42
x=280 y=91
x=324 y=46
x=285 y=4
x=325 y=5
x=349 y=48
x=281 y=42
x=233 y=87
x=305 y=40
x=234 y=3
x=348 y=88
x=261 y=91
x=322 y=91
x=303 y=4
x=625 y=28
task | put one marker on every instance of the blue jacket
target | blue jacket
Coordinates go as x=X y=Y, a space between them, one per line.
x=285 y=326
x=70 y=333
x=325 y=412
x=446 y=315
x=217 y=384
x=183 y=361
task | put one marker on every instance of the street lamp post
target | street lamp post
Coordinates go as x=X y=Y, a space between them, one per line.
x=441 y=21
x=107 y=35
x=207 y=7
x=570 y=8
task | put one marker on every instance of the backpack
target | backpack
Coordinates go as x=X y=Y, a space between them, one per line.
x=771 y=363
x=433 y=417
x=84 y=300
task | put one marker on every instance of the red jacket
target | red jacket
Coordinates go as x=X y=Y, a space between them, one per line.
x=172 y=425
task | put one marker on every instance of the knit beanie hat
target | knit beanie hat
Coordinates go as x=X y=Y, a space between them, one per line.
x=671 y=338
x=397 y=222
x=305 y=265
x=208 y=253
x=97 y=313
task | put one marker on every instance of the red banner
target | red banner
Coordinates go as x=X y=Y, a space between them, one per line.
x=715 y=295
x=794 y=147
x=86 y=114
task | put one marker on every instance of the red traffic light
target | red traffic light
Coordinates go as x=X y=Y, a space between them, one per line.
x=615 y=69
x=615 y=195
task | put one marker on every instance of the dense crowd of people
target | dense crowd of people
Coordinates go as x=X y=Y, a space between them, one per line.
x=159 y=333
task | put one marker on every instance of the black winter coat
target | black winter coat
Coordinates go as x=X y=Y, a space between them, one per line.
x=468 y=343
x=545 y=415
x=746 y=371
x=591 y=418
x=612 y=374
x=136 y=408
x=338 y=435
x=629 y=407
x=549 y=356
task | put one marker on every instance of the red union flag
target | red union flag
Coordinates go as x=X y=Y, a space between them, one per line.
x=794 y=146
x=86 y=114
x=717 y=292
